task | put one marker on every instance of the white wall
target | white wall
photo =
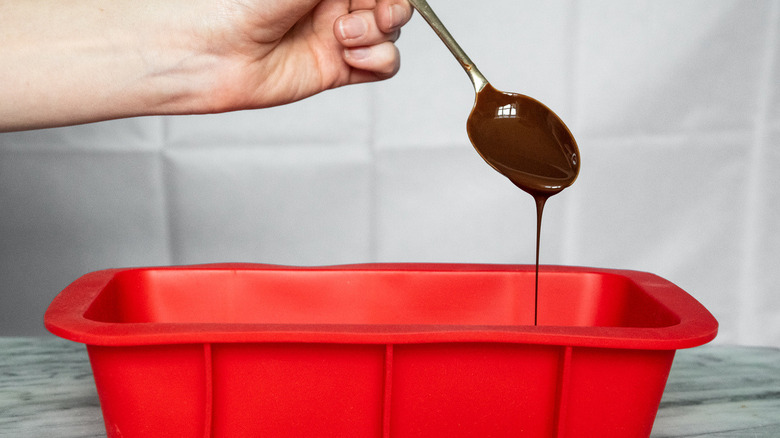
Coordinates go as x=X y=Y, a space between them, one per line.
x=675 y=105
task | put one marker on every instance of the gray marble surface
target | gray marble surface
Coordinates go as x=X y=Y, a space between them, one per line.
x=46 y=390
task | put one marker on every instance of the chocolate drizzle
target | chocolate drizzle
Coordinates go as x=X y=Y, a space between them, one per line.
x=526 y=142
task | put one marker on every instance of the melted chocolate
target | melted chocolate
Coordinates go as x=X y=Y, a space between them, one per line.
x=526 y=142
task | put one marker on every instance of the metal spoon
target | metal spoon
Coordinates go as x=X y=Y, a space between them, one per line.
x=515 y=134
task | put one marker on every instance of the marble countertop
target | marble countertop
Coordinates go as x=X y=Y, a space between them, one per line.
x=46 y=390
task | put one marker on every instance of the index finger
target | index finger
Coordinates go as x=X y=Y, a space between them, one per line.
x=392 y=14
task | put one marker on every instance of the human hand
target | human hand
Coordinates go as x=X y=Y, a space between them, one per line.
x=81 y=61
x=272 y=52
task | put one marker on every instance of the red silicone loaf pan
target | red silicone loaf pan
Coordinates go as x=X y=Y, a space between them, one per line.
x=381 y=350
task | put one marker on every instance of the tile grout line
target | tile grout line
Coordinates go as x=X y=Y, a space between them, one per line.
x=747 y=305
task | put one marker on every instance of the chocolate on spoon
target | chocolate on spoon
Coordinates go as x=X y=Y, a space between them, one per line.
x=517 y=135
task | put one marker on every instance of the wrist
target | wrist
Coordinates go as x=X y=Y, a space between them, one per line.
x=192 y=52
x=176 y=70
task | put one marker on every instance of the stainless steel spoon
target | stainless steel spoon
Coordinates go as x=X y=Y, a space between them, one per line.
x=515 y=134
x=518 y=136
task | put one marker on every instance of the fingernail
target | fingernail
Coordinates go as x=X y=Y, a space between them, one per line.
x=352 y=27
x=357 y=53
x=396 y=16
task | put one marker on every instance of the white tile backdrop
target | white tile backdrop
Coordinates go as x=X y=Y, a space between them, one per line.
x=675 y=104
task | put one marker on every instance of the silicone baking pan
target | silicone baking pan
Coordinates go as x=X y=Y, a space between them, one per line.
x=378 y=350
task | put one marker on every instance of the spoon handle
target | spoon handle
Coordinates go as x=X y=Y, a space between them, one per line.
x=427 y=13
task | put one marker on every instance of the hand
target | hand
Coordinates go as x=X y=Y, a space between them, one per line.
x=275 y=52
x=63 y=63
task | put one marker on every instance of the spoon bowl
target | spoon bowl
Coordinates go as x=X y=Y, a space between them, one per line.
x=524 y=140
x=517 y=135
